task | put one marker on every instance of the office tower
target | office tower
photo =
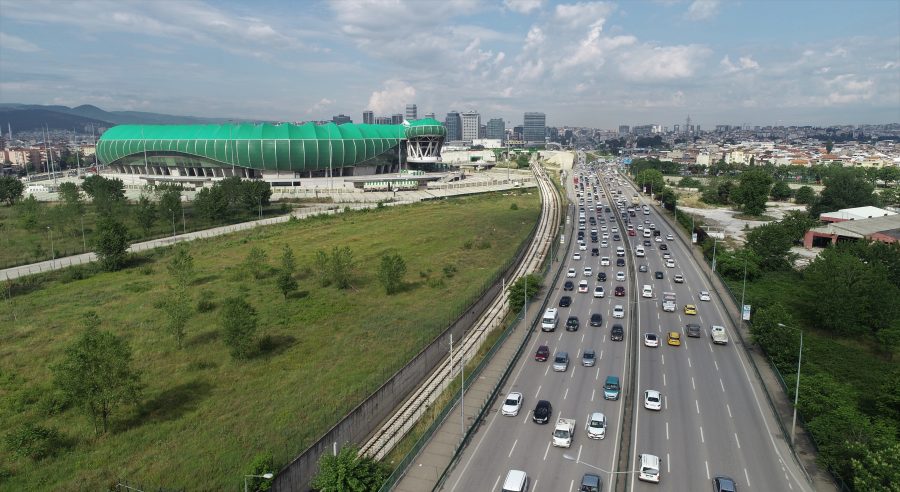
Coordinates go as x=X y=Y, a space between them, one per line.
x=412 y=112
x=453 y=122
x=518 y=132
x=471 y=124
x=383 y=120
x=624 y=129
x=368 y=117
x=396 y=119
x=496 y=128
x=341 y=119
x=429 y=115
x=535 y=127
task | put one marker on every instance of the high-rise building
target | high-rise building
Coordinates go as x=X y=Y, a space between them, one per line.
x=518 y=132
x=624 y=129
x=496 y=128
x=429 y=115
x=453 y=122
x=396 y=119
x=412 y=112
x=535 y=127
x=471 y=124
x=383 y=120
x=368 y=117
x=341 y=119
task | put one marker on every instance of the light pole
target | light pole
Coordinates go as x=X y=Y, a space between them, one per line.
x=52 y=251
x=83 y=240
x=267 y=476
x=797 y=386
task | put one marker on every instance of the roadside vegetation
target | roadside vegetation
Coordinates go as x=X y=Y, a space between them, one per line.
x=230 y=355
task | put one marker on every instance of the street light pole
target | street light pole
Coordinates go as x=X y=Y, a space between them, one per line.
x=796 y=386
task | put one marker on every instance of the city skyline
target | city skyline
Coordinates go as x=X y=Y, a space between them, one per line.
x=593 y=64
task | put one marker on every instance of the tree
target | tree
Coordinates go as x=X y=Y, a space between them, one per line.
x=529 y=284
x=668 y=198
x=781 y=191
x=181 y=267
x=107 y=195
x=71 y=198
x=689 y=182
x=781 y=343
x=286 y=281
x=232 y=189
x=322 y=268
x=732 y=264
x=844 y=188
x=111 y=243
x=348 y=472
x=169 y=202
x=877 y=470
x=804 y=195
x=256 y=262
x=651 y=180
x=752 y=192
x=522 y=161
x=177 y=307
x=145 y=214
x=211 y=203
x=96 y=372
x=11 y=189
x=28 y=211
x=239 y=327
x=889 y=174
x=828 y=146
x=772 y=244
x=255 y=193
x=391 y=272
x=341 y=266
x=718 y=192
x=890 y=197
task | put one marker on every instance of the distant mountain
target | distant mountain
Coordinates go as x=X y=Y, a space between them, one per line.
x=25 y=117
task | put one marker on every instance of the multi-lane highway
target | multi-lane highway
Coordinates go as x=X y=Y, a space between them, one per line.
x=714 y=418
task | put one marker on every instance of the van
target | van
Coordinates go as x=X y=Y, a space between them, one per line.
x=647 y=291
x=549 y=320
x=611 y=388
x=649 y=468
x=516 y=481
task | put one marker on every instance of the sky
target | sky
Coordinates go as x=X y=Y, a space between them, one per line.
x=595 y=64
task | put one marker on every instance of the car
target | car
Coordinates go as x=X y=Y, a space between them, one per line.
x=674 y=339
x=617 y=237
x=690 y=309
x=620 y=252
x=646 y=221
x=620 y=262
x=512 y=404
x=595 y=252
x=704 y=295
x=693 y=330
x=620 y=276
x=542 y=411
x=651 y=340
x=652 y=227
x=604 y=261
x=642 y=268
x=614 y=230
x=576 y=256
x=561 y=361
x=640 y=227
x=588 y=271
x=596 y=319
x=620 y=291
x=658 y=239
x=542 y=354
x=598 y=291
x=565 y=301
x=658 y=275
x=568 y=285
x=669 y=237
x=618 y=311
x=663 y=247
x=718 y=335
x=571 y=273
x=679 y=278
x=652 y=400
x=601 y=276
x=611 y=388
x=582 y=287
x=617 y=333
x=670 y=263
x=604 y=244
x=667 y=256
x=596 y=426
x=588 y=357
x=604 y=228
x=647 y=243
x=724 y=484
x=582 y=246
x=605 y=235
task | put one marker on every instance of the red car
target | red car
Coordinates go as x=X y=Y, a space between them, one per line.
x=620 y=291
x=631 y=232
x=543 y=352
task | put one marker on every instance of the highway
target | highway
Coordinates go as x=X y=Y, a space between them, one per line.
x=714 y=418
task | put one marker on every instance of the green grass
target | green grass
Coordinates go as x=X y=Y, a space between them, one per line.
x=203 y=416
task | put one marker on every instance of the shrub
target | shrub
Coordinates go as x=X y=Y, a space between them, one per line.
x=205 y=304
x=449 y=270
x=468 y=244
x=514 y=207
x=34 y=441
x=484 y=244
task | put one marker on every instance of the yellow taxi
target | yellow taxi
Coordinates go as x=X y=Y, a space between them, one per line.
x=674 y=338
x=690 y=309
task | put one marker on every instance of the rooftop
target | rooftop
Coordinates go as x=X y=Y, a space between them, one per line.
x=862 y=228
x=856 y=213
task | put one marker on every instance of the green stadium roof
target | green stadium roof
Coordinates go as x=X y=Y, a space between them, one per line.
x=266 y=147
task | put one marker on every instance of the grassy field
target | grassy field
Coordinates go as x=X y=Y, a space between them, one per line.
x=203 y=416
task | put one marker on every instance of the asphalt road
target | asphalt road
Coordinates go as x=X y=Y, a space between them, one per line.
x=714 y=420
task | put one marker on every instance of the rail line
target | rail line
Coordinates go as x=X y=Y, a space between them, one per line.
x=408 y=413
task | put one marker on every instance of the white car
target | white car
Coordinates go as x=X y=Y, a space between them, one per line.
x=598 y=291
x=571 y=273
x=588 y=271
x=583 y=247
x=618 y=311
x=604 y=228
x=576 y=256
x=704 y=295
x=605 y=235
x=620 y=276
x=640 y=227
x=604 y=261
x=670 y=263
x=604 y=244
x=583 y=287
x=679 y=278
x=669 y=237
x=596 y=426
x=652 y=400
x=512 y=404
x=651 y=340
x=667 y=256
x=658 y=239
x=652 y=226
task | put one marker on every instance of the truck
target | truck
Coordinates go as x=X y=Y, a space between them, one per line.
x=718 y=335
x=668 y=303
x=562 y=434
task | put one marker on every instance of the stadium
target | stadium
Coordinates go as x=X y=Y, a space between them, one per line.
x=278 y=154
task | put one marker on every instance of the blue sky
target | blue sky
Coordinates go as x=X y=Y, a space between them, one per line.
x=598 y=64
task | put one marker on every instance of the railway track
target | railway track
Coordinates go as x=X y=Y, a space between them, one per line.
x=408 y=413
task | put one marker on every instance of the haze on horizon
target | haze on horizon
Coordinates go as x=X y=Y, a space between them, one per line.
x=597 y=64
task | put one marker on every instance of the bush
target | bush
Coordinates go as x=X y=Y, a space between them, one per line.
x=262 y=463
x=468 y=244
x=205 y=304
x=449 y=271
x=34 y=441
x=514 y=207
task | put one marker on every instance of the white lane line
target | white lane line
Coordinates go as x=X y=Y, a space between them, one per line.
x=496 y=482
x=512 y=449
x=665 y=403
x=571 y=485
x=738 y=441
x=560 y=336
x=716 y=363
x=567 y=394
x=548 y=450
x=722 y=385
x=696 y=403
x=573 y=373
x=578 y=458
x=729 y=410
x=668 y=464
x=702 y=440
x=667 y=430
x=663 y=359
x=747 y=476
x=582 y=338
x=535 y=485
x=706 y=463
x=603 y=340
x=709 y=346
x=536 y=393
x=547 y=370
x=664 y=379
x=597 y=377
x=689 y=362
x=599 y=358
x=692 y=383
x=593 y=393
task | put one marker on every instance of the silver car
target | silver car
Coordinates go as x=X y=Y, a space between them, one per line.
x=588 y=358
x=561 y=361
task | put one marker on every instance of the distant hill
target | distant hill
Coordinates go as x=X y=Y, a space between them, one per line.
x=25 y=117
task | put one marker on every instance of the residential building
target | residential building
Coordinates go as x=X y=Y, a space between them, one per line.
x=368 y=117
x=471 y=124
x=412 y=112
x=341 y=119
x=396 y=119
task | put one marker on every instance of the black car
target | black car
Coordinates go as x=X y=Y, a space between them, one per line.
x=723 y=484
x=693 y=330
x=647 y=242
x=565 y=301
x=572 y=323
x=568 y=285
x=617 y=237
x=663 y=247
x=596 y=319
x=620 y=291
x=620 y=262
x=617 y=333
x=601 y=276
x=595 y=252
x=656 y=232
x=658 y=275
x=594 y=239
x=541 y=412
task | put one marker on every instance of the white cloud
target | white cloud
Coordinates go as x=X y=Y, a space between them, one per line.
x=744 y=63
x=702 y=9
x=393 y=98
x=577 y=15
x=848 y=88
x=655 y=63
x=319 y=106
x=15 y=43
x=523 y=6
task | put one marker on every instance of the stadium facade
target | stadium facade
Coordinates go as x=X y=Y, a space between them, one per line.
x=271 y=152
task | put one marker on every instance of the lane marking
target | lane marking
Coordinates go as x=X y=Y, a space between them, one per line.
x=702 y=440
x=692 y=383
x=663 y=358
x=593 y=392
x=689 y=362
x=716 y=363
x=722 y=385
x=578 y=458
x=664 y=379
x=667 y=430
x=747 y=476
x=548 y=450
x=668 y=464
x=696 y=403
x=512 y=449
x=567 y=394
x=571 y=485
x=738 y=441
x=536 y=393
x=597 y=377
x=573 y=373
x=547 y=370
x=729 y=410
x=496 y=482
x=706 y=463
